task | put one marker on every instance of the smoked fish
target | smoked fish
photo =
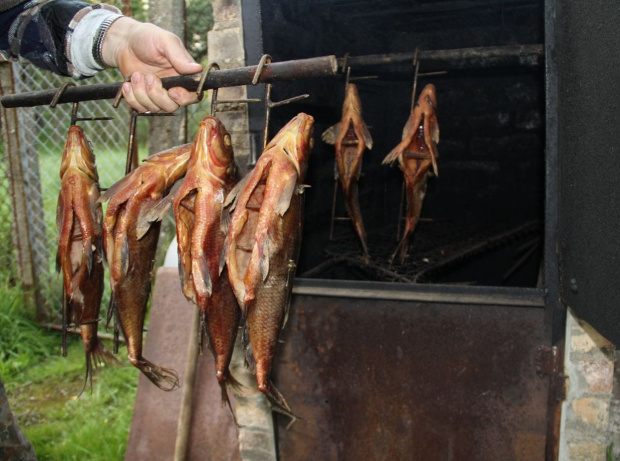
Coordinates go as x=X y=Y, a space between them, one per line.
x=351 y=138
x=131 y=225
x=211 y=174
x=262 y=245
x=80 y=253
x=416 y=155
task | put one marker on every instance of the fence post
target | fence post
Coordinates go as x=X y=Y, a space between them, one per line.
x=19 y=199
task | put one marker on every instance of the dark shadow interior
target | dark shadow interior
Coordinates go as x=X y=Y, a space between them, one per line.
x=482 y=219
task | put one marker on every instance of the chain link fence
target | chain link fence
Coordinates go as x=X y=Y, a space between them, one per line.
x=42 y=132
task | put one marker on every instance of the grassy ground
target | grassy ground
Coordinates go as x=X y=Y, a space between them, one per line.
x=43 y=386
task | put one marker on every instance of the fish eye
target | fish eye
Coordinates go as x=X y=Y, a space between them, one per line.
x=227 y=140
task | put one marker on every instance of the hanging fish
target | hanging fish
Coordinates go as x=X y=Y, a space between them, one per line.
x=211 y=174
x=137 y=203
x=351 y=138
x=416 y=154
x=80 y=253
x=262 y=245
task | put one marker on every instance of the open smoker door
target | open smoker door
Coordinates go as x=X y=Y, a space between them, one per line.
x=589 y=161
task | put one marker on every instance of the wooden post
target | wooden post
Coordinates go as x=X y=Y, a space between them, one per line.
x=17 y=184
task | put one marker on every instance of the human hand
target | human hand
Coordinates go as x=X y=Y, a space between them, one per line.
x=147 y=53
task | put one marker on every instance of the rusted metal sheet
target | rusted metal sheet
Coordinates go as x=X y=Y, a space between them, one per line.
x=153 y=432
x=379 y=380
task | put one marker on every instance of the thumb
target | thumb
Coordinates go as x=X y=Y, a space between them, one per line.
x=178 y=56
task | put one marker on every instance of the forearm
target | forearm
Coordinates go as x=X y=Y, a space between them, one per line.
x=56 y=35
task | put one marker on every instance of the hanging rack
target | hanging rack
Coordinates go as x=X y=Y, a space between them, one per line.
x=323 y=66
x=269 y=104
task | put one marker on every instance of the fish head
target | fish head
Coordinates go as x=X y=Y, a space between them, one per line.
x=78 y=154
x=214 y=147
x=296 y=139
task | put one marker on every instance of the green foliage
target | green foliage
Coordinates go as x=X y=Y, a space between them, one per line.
x=22 y=342
x=63 y=426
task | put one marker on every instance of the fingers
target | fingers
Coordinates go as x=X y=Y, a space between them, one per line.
x=183 y=97
x=145 y=93
x=178 y=56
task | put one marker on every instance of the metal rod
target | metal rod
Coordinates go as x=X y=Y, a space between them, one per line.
x=460 y=57
x=324 y=66
x=76 y=331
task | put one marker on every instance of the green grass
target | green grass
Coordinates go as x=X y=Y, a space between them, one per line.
x=43 y=386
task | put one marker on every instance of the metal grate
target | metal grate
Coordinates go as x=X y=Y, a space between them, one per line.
x=42 y=136
x=435 y=248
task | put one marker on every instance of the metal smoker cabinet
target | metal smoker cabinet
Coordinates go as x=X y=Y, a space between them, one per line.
x=397 y=371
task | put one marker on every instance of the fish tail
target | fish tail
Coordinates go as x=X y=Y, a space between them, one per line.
x=226 y=379
x=353 y=208
x=164 y=378
x=101 y=356
x=278 y=403
x=402 y=250
x=96 y=356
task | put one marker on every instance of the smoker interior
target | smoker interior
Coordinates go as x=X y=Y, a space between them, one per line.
x=482 y=218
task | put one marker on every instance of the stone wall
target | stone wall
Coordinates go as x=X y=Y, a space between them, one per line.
x=591 y=412
x=226 y=48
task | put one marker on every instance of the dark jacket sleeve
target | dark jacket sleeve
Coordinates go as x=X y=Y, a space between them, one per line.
x=36 y=31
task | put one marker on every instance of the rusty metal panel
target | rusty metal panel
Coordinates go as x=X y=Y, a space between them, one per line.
x=153 y=432
x=378 y=380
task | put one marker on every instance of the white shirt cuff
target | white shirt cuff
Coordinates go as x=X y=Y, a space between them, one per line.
x=81 y=37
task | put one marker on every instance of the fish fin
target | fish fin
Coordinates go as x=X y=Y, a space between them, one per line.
x=265 y=256
x=111 y=311
x=225 y=217
x=286 y=193
x=225 y=380
x=64 y=224
x=164 y=378
x=330 y=135
x=278 y=403
x=88 y=249
x=204 y=340
x=402 y=250
x=366 y=136
x=201 y=277
x=88 y=378
x=150 y=214
x=392 y=156
x=232 y=198
x=125 y=256
x=250 y=363
x=434 y=156
x=115 y=189
x=223 y=256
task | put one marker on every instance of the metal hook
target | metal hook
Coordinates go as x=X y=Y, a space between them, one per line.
x=119 y=94
x=259 y=68
x=60 y=92
x=416 y=64
x=203 y=80
x=345 y=61
x=132 y=150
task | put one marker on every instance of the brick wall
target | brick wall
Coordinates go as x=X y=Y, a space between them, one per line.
x=590 y=415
